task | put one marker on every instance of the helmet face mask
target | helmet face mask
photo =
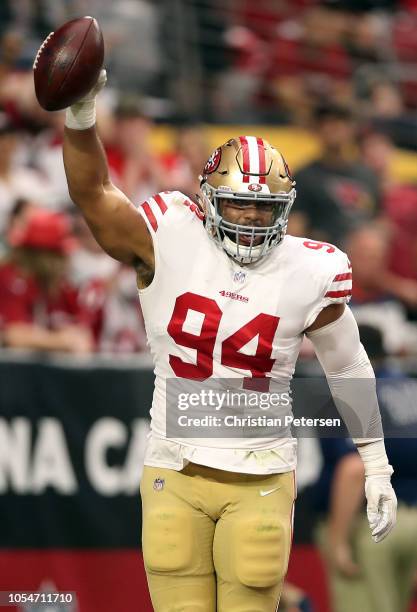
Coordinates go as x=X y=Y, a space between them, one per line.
x=226 y=178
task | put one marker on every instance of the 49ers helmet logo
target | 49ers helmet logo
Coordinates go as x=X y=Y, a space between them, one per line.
x=213 y=162
x=255 y=187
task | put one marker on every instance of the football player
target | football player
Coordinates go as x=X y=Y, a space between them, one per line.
x=225 y=294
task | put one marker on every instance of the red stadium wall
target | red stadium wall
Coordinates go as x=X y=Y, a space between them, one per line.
x=115 y=581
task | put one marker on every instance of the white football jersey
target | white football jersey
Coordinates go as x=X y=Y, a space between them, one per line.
x=207 y=317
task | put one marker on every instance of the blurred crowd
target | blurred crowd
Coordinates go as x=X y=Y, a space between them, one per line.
x=348 y=196
x=344 y=70
x=58 y=290
x=291 y=56
x=240 y=60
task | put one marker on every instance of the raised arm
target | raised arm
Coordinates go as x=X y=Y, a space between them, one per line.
x=116 y=224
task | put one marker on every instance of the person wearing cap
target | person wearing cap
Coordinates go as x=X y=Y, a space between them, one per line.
x=39 y=310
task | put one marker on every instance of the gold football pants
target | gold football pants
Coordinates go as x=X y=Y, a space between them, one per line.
x=216 y=540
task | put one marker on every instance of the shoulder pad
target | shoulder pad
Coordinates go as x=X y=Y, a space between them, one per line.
x=156 y=207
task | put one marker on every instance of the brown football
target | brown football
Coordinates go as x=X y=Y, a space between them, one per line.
x=68 y=63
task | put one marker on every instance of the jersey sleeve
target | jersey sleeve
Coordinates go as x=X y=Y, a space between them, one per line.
x=334 y=284
x=153 y=211
x=171 y=208
x=339 y=288
x=174 y=223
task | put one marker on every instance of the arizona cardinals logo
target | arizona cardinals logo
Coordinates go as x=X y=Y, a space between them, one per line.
x=213 y=162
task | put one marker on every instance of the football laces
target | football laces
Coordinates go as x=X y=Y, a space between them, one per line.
x=41 y=48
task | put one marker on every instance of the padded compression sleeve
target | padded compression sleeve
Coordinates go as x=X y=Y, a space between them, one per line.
x=350 y=376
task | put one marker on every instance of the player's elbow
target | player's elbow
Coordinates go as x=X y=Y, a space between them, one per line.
x=85 y=197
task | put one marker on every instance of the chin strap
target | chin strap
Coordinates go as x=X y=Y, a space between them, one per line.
x=243 y=256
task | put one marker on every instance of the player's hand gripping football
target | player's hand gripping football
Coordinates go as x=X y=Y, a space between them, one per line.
x=82 y=114
x=381 y=505
x=101 y=82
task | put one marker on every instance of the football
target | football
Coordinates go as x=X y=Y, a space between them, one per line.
x=68 y=63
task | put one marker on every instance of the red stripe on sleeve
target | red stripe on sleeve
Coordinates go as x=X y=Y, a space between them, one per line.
x=160 y=201
x=245 y=153
x=151 y=217
x=338 y=294
x=342 y=277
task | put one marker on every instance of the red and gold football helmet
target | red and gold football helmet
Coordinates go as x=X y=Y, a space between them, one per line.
x=247 y=168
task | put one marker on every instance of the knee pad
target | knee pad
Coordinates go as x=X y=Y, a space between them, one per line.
x=262 y=547
x=167 y=540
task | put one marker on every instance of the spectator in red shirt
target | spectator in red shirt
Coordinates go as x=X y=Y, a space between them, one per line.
x=399 y=204
x=134 y=167
x=377 y=291
x=368 y=250
x=308 y=62
x=39 y=309
x=107 y=293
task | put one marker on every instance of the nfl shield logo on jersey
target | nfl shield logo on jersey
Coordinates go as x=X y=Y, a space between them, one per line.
x=158 y=484
x=239 y=277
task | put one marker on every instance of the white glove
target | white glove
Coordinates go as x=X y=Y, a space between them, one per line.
x=82 y=114
x=381 y=506
x=382 y=502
